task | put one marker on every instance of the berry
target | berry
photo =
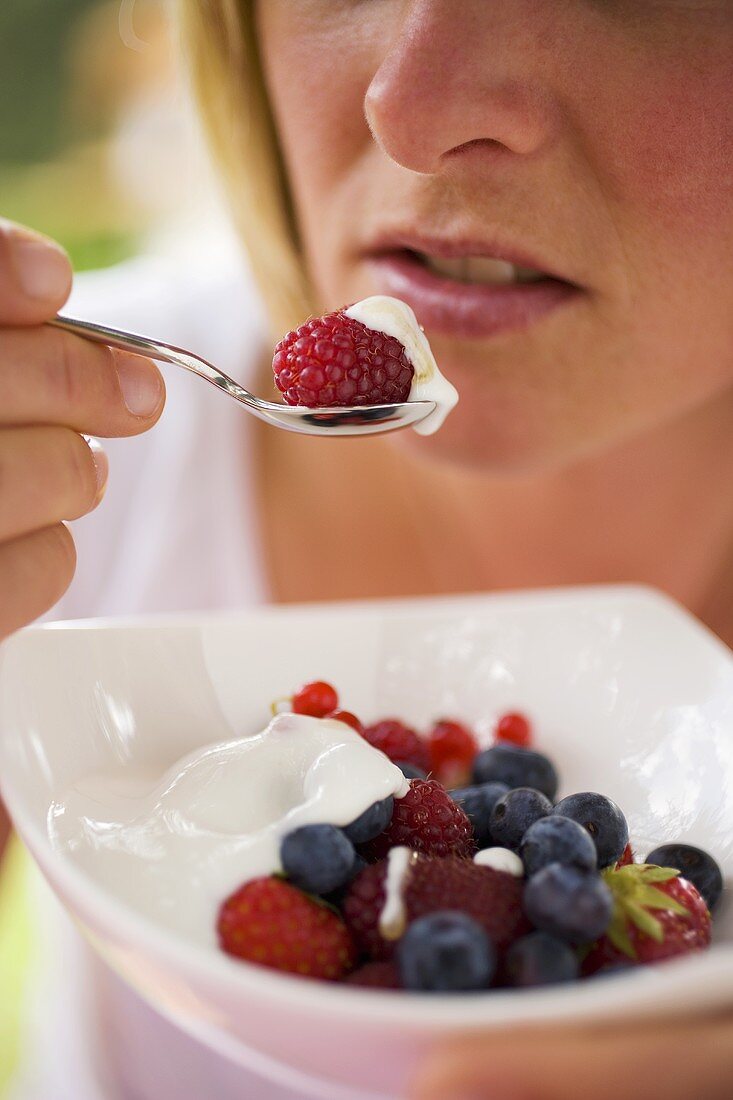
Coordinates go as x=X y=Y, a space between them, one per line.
x=627 y=857
x=317 y=699
x=347 y=717
x=375 y=975
x=317 y=858
x=515 y=728
x=557 y=839
x=398 y=742
x=477 y=803
x=336 y=897
x=409 y=770
x=493 y=898
x=656 y=916
x=540 y=959
x=445 y=952
x=335 y=360
x=270 y=922
x=516 y=767
x=452 y=750
x=372 y=822
x=697 y=867
x=571 y=904
x=602 y=818
x=426 y=820
x=513 y=814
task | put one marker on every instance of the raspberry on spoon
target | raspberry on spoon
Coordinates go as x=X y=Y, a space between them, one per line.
x=336 y=360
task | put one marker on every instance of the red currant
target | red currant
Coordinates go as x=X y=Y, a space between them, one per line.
x=516 y=728
x=347 y=717
x=452 y=749
x=317 y=699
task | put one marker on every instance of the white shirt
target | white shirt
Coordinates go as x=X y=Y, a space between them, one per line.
x=177 y=531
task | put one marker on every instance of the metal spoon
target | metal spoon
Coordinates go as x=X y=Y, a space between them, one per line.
x=350 y=420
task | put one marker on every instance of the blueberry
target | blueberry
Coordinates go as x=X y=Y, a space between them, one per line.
x=317 y=858
x=513 y=814
x=556 y=839
x=516 y=767
x=693 y=864
x=338 y=896
x=445 y=952
x=477 y=803
x=600 y=817
x=571 y=904
x=409 y=770
x=540 y=959
x=372 y=822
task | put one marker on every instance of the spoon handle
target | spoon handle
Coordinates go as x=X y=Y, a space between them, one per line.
x=154 y=349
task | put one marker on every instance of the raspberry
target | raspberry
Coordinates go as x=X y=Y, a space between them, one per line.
x=316 y=699
x=270 y=922
x=493 y=898
x=516 y=728
x=426 y=820
x=399 y=742
x=375 y=975
x=452 y=748
x=335 y=360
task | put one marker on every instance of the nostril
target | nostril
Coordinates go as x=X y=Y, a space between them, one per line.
x=488 y=145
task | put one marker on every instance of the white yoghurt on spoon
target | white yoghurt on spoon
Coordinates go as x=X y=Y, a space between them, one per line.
x=174 y=846
x=395 y=318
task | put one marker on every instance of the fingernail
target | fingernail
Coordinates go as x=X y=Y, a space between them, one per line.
x=41 y=267
x=101 y=465
x=141 y=385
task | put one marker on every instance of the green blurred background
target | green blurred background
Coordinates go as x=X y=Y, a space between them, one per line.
x=83 y=86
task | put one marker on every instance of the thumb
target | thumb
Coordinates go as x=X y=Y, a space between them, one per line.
x=35 y=276
x=680 y=1060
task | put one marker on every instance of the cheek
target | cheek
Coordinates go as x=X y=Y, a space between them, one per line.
x=317 y=99
x=663 y=149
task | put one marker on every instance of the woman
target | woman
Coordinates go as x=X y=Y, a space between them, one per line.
x=549 y=185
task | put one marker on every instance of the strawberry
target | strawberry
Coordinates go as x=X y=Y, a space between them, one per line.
x=452 y=749
x=398 y=742
x=627 y=857
x=336 y=360
x=375 y=975
x=493 y=898
x=270 y=922
x=656 y=916
x=426 y=820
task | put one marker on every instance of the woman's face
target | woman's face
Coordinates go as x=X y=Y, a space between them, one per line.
x=435 y=147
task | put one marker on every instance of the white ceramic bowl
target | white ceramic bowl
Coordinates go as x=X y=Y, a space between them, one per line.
x=631 y=696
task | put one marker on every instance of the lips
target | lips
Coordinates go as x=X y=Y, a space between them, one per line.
x=461 y=289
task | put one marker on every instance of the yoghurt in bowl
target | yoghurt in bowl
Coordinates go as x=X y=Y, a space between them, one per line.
x=172 y=846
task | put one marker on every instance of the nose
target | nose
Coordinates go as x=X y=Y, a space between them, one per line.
x=459 y=77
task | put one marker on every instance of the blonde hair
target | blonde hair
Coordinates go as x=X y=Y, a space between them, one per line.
x=220 y=44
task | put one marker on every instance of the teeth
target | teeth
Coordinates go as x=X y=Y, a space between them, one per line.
x=481 y=269
x=454 y=269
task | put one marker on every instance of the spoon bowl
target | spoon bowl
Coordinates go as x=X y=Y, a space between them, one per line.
x=331 y=420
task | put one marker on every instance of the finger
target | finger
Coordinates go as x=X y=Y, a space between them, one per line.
x=47 y=475
x=51 y=377
x=35 y=276
x=35 y=571
x=677 y=1061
